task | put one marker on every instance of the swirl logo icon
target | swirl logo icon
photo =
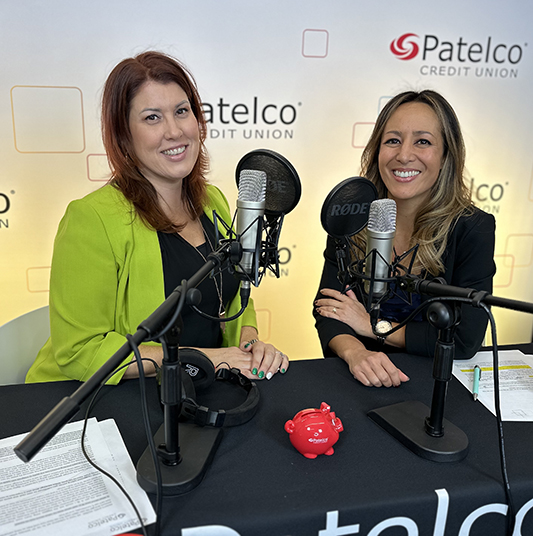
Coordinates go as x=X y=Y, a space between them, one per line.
x=404 y=47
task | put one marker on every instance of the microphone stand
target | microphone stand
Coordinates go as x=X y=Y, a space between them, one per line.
x=425 y=432
x=182 y=465
x=412 y=423
x=181 y=469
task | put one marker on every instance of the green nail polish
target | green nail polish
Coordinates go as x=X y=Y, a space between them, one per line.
x=254 y=371
x=246 y=345
x=283 y=371
x=261 y=375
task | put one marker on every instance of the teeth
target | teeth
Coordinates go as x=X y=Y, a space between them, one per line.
x=174 y=152
x=406 y=174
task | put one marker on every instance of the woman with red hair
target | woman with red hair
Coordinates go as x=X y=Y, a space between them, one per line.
x=121 y=250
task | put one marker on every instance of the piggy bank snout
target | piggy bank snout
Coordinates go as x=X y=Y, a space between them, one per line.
x=289 y=427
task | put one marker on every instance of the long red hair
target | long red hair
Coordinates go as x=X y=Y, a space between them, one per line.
x=120 y=88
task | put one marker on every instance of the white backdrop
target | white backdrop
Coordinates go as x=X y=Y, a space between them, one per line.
x=315 y=73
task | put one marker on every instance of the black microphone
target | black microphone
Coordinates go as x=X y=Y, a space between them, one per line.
x=345 y=213
x=380 y=231
x=345 y=210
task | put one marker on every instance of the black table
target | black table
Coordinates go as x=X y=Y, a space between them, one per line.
x=259 y=484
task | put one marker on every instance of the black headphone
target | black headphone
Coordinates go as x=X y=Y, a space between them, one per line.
x=199 y=375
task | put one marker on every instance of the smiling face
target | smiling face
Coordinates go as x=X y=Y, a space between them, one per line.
x=411 y=153
x=165 y=133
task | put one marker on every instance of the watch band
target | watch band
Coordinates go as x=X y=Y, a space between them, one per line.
x=381 y=339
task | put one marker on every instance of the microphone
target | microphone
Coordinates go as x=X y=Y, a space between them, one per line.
x=345 y=209
x=251 y=204
x=345 y=213
x=283 y=191
x=380 y=231
x=283 y=188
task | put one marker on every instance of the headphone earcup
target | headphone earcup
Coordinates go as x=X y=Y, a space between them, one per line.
x=198 y=368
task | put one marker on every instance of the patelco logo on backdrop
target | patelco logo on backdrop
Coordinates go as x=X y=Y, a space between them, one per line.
x=255 y=119
x=404 y=47
x=489 y=58
x=5 y=205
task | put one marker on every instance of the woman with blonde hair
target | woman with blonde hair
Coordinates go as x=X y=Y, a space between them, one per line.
x=416 y=157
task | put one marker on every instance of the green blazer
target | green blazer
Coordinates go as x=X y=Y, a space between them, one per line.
x=106 y=278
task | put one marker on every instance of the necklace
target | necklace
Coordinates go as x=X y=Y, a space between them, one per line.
x=221 y=308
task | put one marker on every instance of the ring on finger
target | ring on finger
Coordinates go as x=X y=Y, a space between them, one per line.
x=335 y=310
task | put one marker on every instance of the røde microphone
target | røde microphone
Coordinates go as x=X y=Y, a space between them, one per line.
x=283 y=188
x=380 y=230
x=345 y=209
x=250 y=211
x=344 y=214
x=283 y=191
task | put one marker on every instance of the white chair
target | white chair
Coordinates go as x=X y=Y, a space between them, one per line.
x=20 y=341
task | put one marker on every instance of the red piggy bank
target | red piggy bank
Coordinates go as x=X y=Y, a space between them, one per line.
x=314 y=431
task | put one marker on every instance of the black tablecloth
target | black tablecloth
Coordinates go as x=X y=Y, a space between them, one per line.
x=258 y=484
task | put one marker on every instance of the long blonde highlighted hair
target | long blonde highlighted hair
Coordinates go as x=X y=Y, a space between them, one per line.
x=449 y=197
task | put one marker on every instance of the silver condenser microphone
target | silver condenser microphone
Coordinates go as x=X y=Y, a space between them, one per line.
x=250 y=211
x=381 y=230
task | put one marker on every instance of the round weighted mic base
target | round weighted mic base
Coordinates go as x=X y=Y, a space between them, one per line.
x=423 y=431
x=198 y=446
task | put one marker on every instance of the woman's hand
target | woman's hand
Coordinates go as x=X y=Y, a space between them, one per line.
x=255 y=359
x=345 y=308
x=266 y=359
x=375 y=369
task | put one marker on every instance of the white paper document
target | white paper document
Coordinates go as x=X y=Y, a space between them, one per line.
x=515 y=371
x=59 y=493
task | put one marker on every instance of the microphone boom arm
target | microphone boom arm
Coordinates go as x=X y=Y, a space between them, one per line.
x=411 y=283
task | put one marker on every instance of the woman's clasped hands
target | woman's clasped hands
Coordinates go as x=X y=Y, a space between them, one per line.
x=373 y=369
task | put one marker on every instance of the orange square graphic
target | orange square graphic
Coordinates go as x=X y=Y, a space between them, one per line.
x=47 y=119
x=504 y=270
x=361 y=134
x=98 y=168
x=520 y=246
x=382 y=102
x=315 y=43
x=38 y=279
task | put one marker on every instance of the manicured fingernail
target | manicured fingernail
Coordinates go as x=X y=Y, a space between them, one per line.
x=254 y=371
x=269 y=375
x=246 y=346
x=283 y=371
x=261 y=375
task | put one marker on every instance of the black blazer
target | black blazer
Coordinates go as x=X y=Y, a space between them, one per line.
x=468 y=262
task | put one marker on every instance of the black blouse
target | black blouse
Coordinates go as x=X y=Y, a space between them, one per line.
x=468 y=262
x=181 y=261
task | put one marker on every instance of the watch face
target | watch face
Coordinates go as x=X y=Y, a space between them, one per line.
x=383 y=326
